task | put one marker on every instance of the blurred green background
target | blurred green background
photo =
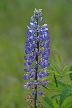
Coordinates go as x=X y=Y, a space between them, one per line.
x=14 y=17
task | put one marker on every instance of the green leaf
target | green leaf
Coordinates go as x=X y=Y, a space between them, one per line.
x=67 y=102
x=61 y=83
x=55 y=69
x=48 y=101
x=50 y=77
x=52 y=83
x=64 y=69
x=70 y=73
x=56 y=95
x=54 y=86
x=63 y=96
x=56 y=90
x=51 y=71
x=55 y=104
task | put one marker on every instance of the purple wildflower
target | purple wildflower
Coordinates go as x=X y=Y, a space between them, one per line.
x=38 y=41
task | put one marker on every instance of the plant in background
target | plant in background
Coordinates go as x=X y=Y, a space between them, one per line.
x=37 y=54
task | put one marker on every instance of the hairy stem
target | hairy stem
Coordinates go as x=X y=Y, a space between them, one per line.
x=36 y=72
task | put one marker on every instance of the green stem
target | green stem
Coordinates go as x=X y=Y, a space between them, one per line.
x=55 y=80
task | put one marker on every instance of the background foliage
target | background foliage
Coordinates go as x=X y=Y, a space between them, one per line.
x=14 y=17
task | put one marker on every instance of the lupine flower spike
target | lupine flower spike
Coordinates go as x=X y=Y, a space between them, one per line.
x=37 y=54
